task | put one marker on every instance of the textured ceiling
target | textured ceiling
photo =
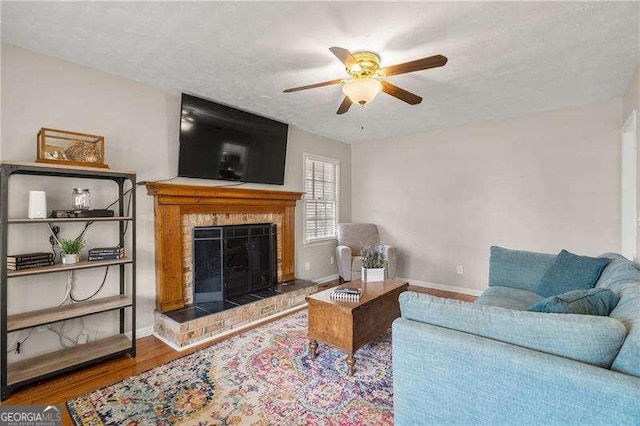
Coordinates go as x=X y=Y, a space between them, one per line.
x=505 y=59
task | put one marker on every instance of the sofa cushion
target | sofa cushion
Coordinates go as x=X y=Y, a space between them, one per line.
x=623 y=277
x=595 y=301
x=590 y=339
x=518 y=268
x=509 y=298
x=571 y=272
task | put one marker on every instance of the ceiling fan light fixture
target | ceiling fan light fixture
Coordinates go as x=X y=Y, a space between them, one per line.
x=362 y=91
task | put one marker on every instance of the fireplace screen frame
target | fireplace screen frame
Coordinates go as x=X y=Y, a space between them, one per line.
x=246 y=234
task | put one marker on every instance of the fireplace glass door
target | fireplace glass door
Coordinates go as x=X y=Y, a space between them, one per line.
x=207 y=265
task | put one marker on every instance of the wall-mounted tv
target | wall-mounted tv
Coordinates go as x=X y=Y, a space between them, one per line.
x=220 y=142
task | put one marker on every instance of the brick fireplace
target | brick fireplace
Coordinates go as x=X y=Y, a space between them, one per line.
x=178 y=208
x=181 y=208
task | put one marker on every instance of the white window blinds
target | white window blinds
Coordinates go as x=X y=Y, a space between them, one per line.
x=321 y=197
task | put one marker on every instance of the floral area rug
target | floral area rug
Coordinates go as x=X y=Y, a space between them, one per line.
x=264 y=376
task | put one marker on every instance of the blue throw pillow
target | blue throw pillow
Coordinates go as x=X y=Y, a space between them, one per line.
x=596 y=301
x=571 y=272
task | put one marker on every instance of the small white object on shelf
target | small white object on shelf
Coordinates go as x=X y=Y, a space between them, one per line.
x=37 y=205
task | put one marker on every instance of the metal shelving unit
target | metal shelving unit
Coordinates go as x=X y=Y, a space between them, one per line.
x=14 y=375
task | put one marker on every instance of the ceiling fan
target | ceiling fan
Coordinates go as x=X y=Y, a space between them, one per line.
x=367 y=77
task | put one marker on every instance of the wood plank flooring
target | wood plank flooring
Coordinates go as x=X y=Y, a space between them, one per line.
x=151 y=353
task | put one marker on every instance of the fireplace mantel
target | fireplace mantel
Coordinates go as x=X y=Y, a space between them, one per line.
x=172 y=201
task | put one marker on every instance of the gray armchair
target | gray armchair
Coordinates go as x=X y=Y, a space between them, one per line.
x=352 y=237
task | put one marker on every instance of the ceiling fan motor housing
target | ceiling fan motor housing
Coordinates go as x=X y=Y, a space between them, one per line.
x=368 y=64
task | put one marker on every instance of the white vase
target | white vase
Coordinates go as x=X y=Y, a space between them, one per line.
x=372 y=274
x=70 y=258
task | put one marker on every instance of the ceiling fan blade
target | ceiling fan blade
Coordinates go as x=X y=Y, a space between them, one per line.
x=417 y=65
x=313 y=86
x=403 y=95
x=345 y=57
x=344 y=106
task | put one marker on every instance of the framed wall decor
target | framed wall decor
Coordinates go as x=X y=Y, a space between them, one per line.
x=70 y=148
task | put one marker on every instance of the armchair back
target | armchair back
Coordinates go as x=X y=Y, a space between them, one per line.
x=357 y=235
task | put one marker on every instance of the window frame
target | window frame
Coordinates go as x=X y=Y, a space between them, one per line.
x=336 y=163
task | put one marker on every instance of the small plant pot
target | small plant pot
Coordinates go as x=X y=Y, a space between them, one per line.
x=70 y=258
x=372 y=274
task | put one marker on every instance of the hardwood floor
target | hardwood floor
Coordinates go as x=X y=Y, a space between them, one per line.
x=151 y=353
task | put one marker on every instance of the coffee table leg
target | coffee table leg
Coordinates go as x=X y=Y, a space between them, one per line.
x=313 y=348
x=351 y=362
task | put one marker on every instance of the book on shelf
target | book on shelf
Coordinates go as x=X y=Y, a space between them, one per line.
x=106 y=251
x=19 y=266
x=106 y=256
x=114 y=248
x=30 y=256
x=28 y=262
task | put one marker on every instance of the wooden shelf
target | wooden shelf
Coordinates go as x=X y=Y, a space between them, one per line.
x=43 y=366
x=66 y=168
x=71 y=219
x=59 y=313
x=46 y=364
x=58 y=267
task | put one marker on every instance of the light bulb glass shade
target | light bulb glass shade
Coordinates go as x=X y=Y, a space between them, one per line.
x=362 y=91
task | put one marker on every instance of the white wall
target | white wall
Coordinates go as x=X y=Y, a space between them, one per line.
x=631 y=102
x=140 y=123
x=542 y=182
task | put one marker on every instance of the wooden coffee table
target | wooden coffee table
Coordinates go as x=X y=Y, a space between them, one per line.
x=350 y=325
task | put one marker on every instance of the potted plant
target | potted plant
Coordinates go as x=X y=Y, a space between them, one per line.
x=373 y=263
x=70 y=250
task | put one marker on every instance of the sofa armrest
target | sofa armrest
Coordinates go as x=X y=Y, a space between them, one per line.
x=443 y=376
x=344 y=259
x=585 y=338
x=391 y=253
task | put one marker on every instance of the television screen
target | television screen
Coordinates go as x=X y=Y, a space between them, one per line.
x=220 y=142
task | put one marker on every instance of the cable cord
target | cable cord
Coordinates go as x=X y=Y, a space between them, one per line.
x=18 y=345
x=104 y=280
x=123 y=194
x=62 y=337
x=126 y=225
x=68 y=287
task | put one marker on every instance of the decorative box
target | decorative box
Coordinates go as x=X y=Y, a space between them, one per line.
x=70 y=148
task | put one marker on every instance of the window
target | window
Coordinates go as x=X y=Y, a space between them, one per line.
x=321 y=180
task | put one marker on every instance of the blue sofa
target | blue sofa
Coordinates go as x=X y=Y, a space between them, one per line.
x=493 y=362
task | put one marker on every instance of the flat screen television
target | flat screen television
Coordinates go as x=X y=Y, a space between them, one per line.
x=220 y=142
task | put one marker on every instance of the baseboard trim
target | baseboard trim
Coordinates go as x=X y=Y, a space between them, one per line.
x=233 y=331
x=141 y=332
x=436 y=286
x=326 y=279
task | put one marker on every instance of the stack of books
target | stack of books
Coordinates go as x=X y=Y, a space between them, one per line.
x=106 y=253
x=346 y=294
x=29 y=260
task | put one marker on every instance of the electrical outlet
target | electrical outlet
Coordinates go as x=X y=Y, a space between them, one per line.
x=332 y=260
x=307 y=266
x=82 y=339
x=459 y=270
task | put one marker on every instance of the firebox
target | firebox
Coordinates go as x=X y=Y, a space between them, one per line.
x=234 y=260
